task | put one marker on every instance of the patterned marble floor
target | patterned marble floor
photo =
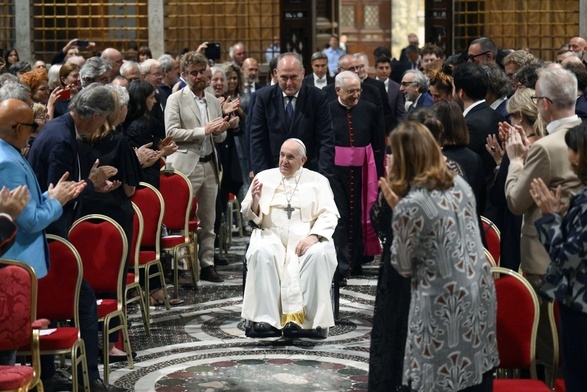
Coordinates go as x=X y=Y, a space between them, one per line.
x=201 y=345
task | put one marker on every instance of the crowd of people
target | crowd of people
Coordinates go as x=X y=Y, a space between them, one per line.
x=333 y=167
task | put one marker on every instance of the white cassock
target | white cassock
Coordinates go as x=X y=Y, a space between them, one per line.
x=281 y=286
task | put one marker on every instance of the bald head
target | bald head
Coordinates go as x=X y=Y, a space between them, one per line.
x=114 y=58
x=15 y=119
x=251 y=69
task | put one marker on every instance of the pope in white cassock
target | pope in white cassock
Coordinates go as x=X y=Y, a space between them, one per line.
x=291 y=258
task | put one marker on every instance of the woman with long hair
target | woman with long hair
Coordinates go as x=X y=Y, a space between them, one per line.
x=451 y=319
x=137 y=128
x=71 y=83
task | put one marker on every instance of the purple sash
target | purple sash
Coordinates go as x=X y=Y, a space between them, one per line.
x=363 y=156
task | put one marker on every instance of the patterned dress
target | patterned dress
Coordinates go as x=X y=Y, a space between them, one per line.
x=451 y=329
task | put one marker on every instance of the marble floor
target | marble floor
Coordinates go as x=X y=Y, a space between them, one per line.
x=201 y=344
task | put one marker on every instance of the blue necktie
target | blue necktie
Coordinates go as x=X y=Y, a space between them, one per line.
x=289 y=111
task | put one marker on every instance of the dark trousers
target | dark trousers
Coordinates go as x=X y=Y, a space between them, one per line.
x=485 y=386
x=88 y=324
x=574 y=348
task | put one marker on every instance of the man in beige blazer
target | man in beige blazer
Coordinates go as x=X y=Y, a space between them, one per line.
x=556 y=93
x=194 y=118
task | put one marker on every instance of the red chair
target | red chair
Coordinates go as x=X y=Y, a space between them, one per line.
x=493 y=238
x=65 y=277
x=178 y=195
x=517 y=323
x=151 y=205
x=489 y=257
x=134 y=292
x=554 y=318
x=103 y=248
x=18 y=324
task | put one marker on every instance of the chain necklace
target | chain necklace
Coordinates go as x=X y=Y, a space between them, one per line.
x=289 y=209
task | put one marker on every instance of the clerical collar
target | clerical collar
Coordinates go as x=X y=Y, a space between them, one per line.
x=342 y=104
x=295 y=175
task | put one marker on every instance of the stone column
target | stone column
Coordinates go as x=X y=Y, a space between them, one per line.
x=23 y=29
x=583 y=18
x=156 y=27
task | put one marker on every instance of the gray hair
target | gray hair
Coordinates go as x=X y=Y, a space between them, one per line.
x=420 y=79
x=166 y=62
x=220 y=69
x=363 y=56
x=146 y=65
x=559 y=85
x=318 y=56
x=8 y=78
x=497 y=80
x=20 y=66
x=53 y=75
x=342 y=77
x=120 y=92
x=93 y=99
x=15 y=90
x=92 y=68
x=287 y=54
x=128 y=66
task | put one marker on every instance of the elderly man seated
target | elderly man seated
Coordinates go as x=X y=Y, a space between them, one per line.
x=291 y=257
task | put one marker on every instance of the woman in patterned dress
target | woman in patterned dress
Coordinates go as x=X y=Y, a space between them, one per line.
x=451 y=343
x=565 y=238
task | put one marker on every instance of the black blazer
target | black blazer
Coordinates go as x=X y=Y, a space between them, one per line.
x=311 y=123
x=387 y=112
x=483 y=121
x=397 y=102
x=310 y=79
x=54 y=152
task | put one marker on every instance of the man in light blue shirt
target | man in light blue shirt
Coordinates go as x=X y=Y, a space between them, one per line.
x=333 y=52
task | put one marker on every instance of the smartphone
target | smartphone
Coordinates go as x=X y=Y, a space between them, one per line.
x=212 y=52
x=65 y=94
x=83 y=43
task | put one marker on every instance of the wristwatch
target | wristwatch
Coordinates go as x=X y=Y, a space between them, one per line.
x=319 y=237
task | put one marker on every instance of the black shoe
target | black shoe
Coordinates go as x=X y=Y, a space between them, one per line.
x=219 y=261
x=262 y=330
x=209 y=274
x=58 y=382
x=98 y=385
x=295 y=331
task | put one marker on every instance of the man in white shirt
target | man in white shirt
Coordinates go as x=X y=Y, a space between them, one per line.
x=319 y=76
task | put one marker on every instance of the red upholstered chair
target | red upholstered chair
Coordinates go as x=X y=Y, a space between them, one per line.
x=489 y=257
x=150 y=202
x=554 y=319
x=103 y=248
x=178 y=195
x=64 y=277
x=493 y=238
x=517 y=323
x=18 y=324
x=134 y=291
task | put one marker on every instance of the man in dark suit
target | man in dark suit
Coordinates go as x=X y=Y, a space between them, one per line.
x=319 y=76
x=292 y=109
x=396 y=99
x=580 y=72
x=414 y=86
x=251 y=72
x=470 y=89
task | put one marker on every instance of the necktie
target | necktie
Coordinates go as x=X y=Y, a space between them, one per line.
x=289 y=110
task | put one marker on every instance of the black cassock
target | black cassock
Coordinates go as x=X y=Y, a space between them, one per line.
x=355 y=127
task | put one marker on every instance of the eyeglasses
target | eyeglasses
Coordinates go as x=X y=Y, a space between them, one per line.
x=406 y=84
x=157 y=74
x=43 y=118
x=474 y=56
x=354 y=92
x=33 y=126
x=537 y=99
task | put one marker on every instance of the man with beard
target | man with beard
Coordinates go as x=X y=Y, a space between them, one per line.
x=359 y=132
x=194 y=118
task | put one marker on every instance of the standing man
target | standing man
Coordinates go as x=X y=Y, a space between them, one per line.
x=482 y=50
x=359 y=132
x=556 y=92
x=363 y=73
x=396 y=99
x=319 y=76
x=251 y=72
x=291 y=109
x=238 y=53
x=579 y=46
x=272 y=50
x=114 y=58
x=333 y=52
x=170 y=71
x=415 y=86
x=193 y=118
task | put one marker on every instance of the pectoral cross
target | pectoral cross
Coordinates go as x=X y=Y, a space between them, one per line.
x=289 y=209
